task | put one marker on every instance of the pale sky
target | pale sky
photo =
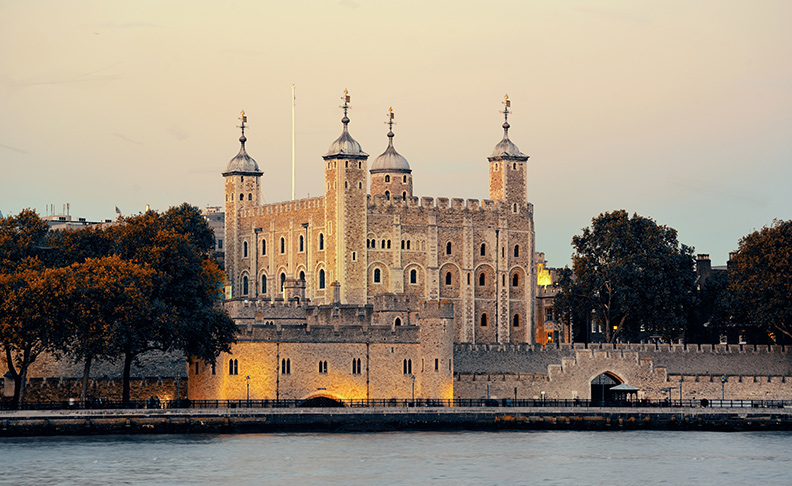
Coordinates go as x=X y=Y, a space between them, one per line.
x=677 y=110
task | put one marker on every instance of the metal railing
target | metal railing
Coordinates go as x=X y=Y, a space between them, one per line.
x=322 y=402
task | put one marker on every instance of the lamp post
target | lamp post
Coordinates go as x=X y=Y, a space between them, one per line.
x=178 y=390
x=680 y=391
x=413 y=389
x=723 y=389
x=247 y=380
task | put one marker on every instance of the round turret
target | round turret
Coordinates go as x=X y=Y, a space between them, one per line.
x=390 y=160
x=242 y=162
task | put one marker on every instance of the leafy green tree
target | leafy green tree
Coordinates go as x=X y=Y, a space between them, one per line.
x=760 y=280
x=632 y=276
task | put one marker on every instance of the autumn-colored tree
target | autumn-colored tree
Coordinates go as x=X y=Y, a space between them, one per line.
x=632 y=276
x=760 y=281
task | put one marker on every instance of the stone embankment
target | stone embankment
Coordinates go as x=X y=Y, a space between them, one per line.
x=222 y=421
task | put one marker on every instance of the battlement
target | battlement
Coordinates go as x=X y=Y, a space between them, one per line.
x=439 y=204
x=436 y=310
x=285 y=207
x=349 y=333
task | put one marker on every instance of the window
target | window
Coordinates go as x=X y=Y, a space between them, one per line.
x=244 y=249
x=404 y=179
x=448 y=278
x=196 y=367
x=437 y=364
x=354 y=256
x=321 y=241
x=233 y=367
x=482 y=279
x=549 y=314
x=514 y=208
x=282 y=281
x=245 y=285
x=382 y=245
x=241 y=197
x=516 y=320
x=356 y=366
x=397 y=322
x=286 y=366
x=346 y=164
x=360 y=185
x=360 y=165
x=302 y=276
x=321 y=279
x=413 y=276
x=407 y=366
x=387 y=195
x=483 y=249
x=387 y=178
x=377 y=276
x=302 y=243
x=219 y=244
x=214 y=369
x=516 y=251
x=402 y=245
x=468 y=275
x=408 y=244
x=404 y=194
x=346 y=185
x=263 y=247
x=283 y=245
x=515 y=280
x=323 y=367
x=250 y=196
x=483 y=320
x=388 y=244
x=448 y=248
x=263 y=284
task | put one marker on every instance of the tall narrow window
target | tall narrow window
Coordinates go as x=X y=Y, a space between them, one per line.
x=408 y=244
x=244 y=249
x=397 y=322
x=516 y=320
x=483 y=249
x=382 y=244
x=387 y=178
x=302 y=243
x=388 y=244
x=321 y=279
x=448 y=248
x=437 y=364
x=321 y=241
x=250 y=196
x=387 y=195
x=404 y=194
x=483 y=320
x=377 y=276
x=404 y=179
x=263 y=284
x=413 y=276
x=263 y=247
x=244 y=285
x=516 y=251
x=448 y=278
x=482 y=279
x=283 y=245
x=233 y=367
x=282 y=281
x=515 y=280
x=302 y=276
x=241 y=197
x=407 y=366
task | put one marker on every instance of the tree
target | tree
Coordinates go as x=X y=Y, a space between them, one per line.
x=760 y=280
x=631 y=276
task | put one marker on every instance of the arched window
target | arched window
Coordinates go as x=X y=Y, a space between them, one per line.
x=387 y=195
x=413 y=276
x=516 y=320
x=397 y=322
x=387 y=178
x=514 y=166
x=516 y=251
x=233 y=367
x=377 y=276
x=285 y=366
x=382 y=244
x=468 y=278
x=483 y=320
x=241 y=197
x=404 y=194
x=250 y=196
x=515 y=280
x=448 y=248
x=482 y=279
x=244 y=285
x=283 y=245
x=321 y=241
x=448 y=278
x=302 y=276
x=321 y=279
x=356 y=368
x=408 y=244
x=483 y=249
x=302 y=243
x=263 y=284
x=244 y=249
x=323 y=367
x=282 y=281
x=388 y=245
x=514 y=208
x=263 y=247
x=402 y=245
x=407 y=366
x=404 y=179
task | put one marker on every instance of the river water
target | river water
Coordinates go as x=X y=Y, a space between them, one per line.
x=444 y=458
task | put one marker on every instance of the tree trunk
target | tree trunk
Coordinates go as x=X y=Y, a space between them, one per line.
x=128 y=357
x=14 y=375
x=86 y=373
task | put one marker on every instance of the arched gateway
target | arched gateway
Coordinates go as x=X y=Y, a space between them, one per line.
x=601 y=387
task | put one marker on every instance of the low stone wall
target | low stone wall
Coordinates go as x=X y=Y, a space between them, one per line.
x=62 y=389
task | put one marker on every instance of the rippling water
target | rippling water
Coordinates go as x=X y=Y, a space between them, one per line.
x=540 y=457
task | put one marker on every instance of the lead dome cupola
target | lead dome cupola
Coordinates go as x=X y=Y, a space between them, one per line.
x=242 y=163
x=345 y=146
x=506 y=149
x=390 y=160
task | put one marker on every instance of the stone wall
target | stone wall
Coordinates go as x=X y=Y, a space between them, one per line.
x=62 y=389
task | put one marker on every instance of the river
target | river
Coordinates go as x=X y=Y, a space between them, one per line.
x=443 y=458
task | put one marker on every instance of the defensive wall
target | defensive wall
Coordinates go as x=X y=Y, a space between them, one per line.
x=658 y=371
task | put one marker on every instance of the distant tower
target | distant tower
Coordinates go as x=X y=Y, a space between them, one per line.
x=242 y=189
x=391 y=175
x=507 y=172
x=345 y=213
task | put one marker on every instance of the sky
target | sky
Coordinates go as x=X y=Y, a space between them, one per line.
x=678 y=110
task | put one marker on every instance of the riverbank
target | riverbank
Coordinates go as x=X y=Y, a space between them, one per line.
x=222 y=421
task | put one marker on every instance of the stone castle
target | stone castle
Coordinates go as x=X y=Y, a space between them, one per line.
x=369 y=284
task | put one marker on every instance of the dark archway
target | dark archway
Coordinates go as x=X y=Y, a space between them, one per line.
x=601 y=387
x=321 y=402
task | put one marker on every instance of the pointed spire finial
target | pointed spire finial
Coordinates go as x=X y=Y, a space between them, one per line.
x=243 y=119
x=345 y=106
x=506 y=105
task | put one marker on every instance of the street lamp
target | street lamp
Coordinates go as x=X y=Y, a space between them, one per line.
x=178 y=390
x=723 y=389
x=680 y=391
x=247 y=379
x=413 y=389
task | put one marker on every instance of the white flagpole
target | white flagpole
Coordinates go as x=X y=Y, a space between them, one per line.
x=293 y=157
